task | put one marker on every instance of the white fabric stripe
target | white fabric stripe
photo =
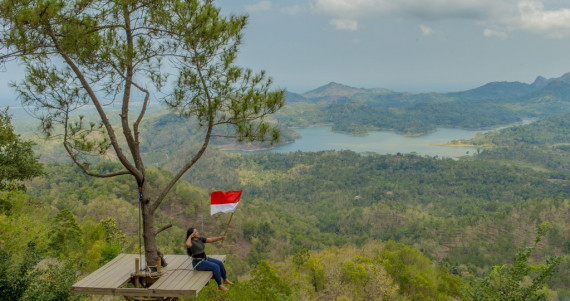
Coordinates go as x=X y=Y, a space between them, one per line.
x=225 y=208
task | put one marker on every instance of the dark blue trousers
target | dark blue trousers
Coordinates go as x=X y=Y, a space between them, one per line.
x=213 y=265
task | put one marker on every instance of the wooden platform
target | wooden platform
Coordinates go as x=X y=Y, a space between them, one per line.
x=178 y=278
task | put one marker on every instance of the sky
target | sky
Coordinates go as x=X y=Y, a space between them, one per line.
x=403 y=45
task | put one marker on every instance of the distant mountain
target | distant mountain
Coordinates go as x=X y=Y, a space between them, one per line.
x=554 y=91
x=359 y=110
x=332 y=93
x=294 y=97
x=333 y=89
x=495 y=90
x=510 y=90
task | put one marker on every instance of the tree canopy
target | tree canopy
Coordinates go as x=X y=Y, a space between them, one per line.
x=124 y=55
x=17 y=159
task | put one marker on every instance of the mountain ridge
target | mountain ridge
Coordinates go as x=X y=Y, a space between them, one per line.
x=334 y=92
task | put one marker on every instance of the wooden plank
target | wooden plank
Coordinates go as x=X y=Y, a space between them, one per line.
x=178 y=263
x=101 y=272
x=131 y=292
x=174 y=261
x=178 y=280
x=110 y=274
x=118 y=274
x=178 y=277
x=200 y=280
x=162 y=279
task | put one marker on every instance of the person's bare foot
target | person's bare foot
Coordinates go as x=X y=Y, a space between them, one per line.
x=222 y=288
x=226 y=281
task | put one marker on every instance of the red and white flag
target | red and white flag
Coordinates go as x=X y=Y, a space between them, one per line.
x=224 y=201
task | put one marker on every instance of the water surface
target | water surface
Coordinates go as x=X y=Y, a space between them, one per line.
x=381 y=142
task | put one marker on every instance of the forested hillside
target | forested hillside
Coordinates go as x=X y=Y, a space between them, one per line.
x=313 y=225
x=544 y=144
x=357 y=111
x=464 y=215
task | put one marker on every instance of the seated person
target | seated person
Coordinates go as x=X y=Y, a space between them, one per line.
x=200 y=262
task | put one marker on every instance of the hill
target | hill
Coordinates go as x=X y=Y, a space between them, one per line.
x=465 y=215
x=544 y=144
x=357 y=110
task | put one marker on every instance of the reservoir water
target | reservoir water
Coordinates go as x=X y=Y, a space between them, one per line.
x=381 y=142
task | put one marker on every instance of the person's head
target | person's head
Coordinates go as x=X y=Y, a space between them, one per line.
x=191 y=231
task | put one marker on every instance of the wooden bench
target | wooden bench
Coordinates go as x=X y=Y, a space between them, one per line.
x=178 y=279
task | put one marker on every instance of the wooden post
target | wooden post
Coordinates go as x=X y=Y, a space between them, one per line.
x=137 y=265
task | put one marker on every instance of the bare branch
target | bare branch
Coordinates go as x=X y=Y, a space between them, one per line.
x=163 y=228
x=141 y=115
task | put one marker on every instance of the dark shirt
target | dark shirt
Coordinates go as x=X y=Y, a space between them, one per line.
x=197 y=248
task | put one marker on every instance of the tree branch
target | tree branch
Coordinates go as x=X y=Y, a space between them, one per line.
x=133 y=147
x=122 y=158
x=85 y=167
x=199 y=154
x=141 y=115
x=163 y=228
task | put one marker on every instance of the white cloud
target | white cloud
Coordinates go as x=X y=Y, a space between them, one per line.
x=344 y=24
x=426 y=31
x=258 y=7
x=422 y=9
x=499 y=17
x=494 y=33
x=293 y=10
x=533 y=17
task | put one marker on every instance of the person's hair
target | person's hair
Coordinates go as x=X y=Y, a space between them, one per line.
x=189 y=232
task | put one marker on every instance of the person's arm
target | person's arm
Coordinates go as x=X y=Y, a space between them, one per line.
x=189 y=242
x=214 y=239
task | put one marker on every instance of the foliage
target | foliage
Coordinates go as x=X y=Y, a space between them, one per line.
x=549 y=131
x=17 y=160
x=509 y=282
x=16 y=277
x=65 y=234
x=357 y=118
x=419 y=119
x=467 y=214
x=35 y=277
x=43 y=252
x=416 y=276
x=264 y=284
x=100 y=53
x=349 y=273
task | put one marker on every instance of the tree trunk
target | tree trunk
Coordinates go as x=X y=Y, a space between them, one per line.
x=149 y=235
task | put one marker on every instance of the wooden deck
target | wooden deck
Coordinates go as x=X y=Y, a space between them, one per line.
x=177 y=279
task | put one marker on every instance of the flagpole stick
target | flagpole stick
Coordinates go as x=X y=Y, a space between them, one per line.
x=227 y=226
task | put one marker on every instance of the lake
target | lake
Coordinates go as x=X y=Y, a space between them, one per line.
x=382 y=142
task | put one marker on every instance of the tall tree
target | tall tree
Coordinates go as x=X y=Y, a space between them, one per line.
x=132 y=52
x=17 y=160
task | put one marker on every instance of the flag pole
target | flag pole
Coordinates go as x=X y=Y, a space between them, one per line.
x=227 y=226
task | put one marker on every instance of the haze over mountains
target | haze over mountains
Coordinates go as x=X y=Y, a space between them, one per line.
x=337 y=93
x=499 y=91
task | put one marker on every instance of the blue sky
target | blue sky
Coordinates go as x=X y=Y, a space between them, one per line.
x=403 y=45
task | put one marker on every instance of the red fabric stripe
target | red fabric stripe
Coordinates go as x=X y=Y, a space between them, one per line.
x=227 y=197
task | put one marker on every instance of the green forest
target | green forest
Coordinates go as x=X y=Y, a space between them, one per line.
x=130 y=108
x=311 y=225
x=358 y=111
